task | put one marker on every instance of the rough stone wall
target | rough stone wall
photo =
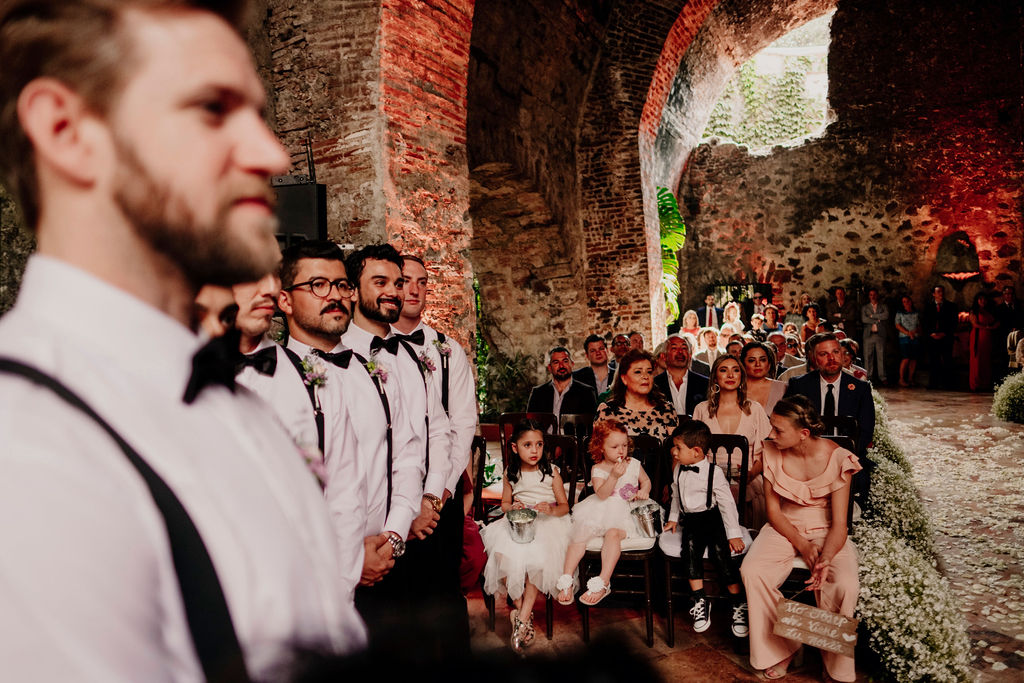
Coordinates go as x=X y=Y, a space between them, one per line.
x=15 y=245
x=927 y=142
x=380 y=88
x=532 y=296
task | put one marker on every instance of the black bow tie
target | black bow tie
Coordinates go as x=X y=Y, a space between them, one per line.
x=264 y=361
x=214 y=363
x=341 y=359
x=390 y=344
x=416 y=337
x=689 y=468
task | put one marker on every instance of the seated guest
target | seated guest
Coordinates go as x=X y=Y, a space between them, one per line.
x=807 y=493
x=734 y=348
x=636 y=402
x=790 y=329
x=679 y=382
x=810 y=328
x=709 y=314
x=837 y=393
x=771 y=319
x=731 y=316
x=659 y=359
x=783 y=360
x=725 y=334
x=598 y=373
x=561 y=394
x=636 y=341
x=757 y=327
x=758 y=360
x=707 y=346
x=794 y=349
x=620 y=345
x=690 y=324
x=849 y=359
x=729 y=410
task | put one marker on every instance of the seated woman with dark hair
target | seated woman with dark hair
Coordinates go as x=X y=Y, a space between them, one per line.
x=807 y=495
x=636 y=402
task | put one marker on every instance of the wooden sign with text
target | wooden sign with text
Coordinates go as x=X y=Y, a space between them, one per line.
x=816 y=627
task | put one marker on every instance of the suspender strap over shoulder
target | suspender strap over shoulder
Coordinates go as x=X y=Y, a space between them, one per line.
x=318 y=414
x=206 y=610
x=444 y=374
x=426 y=415
x=388 y=434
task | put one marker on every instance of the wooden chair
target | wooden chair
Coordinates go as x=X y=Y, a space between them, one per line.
x=734 y=464
x=484 y=500
x=578 y=425
x=635 y=563
x=842 y=425
x=508 y=421
x=562 y=452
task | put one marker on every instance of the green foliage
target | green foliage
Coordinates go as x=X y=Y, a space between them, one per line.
x=673 y=236
x=762 y=110
x=502 y=383
x=1008 y=401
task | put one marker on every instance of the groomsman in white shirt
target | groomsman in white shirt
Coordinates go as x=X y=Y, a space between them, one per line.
x=366 y=497
x=162 y=528
x=376 y=273
x=449 y=370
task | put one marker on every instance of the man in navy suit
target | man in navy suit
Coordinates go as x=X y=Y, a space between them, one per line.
x=684 y=387
x=709 y=314
x=831 y=391
x=599 y=371
x=562 y=394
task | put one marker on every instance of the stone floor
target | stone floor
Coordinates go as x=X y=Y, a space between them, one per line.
x=967 y=467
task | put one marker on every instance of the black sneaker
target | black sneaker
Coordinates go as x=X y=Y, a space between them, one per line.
x=701 y=617
x=740 y=628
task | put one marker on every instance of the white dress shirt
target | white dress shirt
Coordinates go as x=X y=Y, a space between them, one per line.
x=824 y=391
x=89 y=588
x=679 y=393
x=690 y=492
x=285 y=392
x=462 y=410
x=407 y=411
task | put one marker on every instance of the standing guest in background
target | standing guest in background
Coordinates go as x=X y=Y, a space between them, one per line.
x=707 y=346
x=620 y=345
x=810 y=328
x=562 y=394
x=709 y=314
x=691 y=323
x=758 y=359
x=983 y=327
x=598 y=372
x=874 y=316
x=446 y=366
x=908 y=324
x=134 y=140
x=636 y=402
x=939 y=323
x=685 y=387
x=636 y=341
x=1009 y=314
x=842 y=312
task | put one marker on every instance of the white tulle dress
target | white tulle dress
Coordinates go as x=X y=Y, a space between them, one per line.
x=594 y=516
x=509 y=563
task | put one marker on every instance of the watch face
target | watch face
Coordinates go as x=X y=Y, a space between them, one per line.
x=397 y=547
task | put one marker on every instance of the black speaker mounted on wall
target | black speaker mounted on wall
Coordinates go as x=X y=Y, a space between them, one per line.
x=301 y=205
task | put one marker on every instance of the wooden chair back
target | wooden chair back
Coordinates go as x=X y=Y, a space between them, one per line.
x=578 y=425
x=842 y=425
x=731 y=452
x=562 y=451
x=508 y=421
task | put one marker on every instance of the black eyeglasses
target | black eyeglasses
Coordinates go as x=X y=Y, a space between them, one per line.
x=321 y=287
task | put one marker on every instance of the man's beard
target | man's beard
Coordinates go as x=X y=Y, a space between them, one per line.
x=372 y=310
x=206 y=254
x=562 y=375
x=320 y=324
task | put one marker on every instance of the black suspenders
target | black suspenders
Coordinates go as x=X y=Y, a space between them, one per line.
x=318 y=414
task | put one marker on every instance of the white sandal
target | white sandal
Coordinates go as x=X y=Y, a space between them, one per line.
x=598 y=587
x=563 y=584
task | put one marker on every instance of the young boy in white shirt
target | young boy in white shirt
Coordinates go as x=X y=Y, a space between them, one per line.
x=709 y=521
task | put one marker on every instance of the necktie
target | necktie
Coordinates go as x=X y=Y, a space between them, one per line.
x=830 y=403
x=264 y=361
x=214 y=363
x=390 y=344
x=689 y=468
x=341 y=359
x=416 y=337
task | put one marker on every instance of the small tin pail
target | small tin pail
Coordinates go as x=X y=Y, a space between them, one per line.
x=521 y=524
x=648 y=518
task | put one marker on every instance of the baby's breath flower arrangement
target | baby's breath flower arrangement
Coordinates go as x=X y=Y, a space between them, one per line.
x=1008 y=401
x=893 y=504
x=912 y=619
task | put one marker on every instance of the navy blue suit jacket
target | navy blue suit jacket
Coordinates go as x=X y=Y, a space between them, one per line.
x=696 y=389
x=854 y=400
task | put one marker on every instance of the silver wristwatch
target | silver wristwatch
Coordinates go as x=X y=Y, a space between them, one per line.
x=397 y=545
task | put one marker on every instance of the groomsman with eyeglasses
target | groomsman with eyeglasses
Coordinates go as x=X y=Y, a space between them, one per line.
x=373 y=480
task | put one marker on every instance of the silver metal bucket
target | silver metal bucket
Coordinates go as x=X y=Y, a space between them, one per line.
x=648 y=518
x=521 y=524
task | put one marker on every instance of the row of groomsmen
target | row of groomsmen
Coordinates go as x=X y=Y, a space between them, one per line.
x=390 y=404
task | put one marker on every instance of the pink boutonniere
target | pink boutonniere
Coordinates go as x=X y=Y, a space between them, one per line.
x=426 y=363
x=442 y=347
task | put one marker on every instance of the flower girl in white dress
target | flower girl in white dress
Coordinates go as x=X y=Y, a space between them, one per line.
x=524 y=570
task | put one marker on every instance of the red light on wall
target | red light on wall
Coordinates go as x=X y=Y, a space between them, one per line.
x=960 y=277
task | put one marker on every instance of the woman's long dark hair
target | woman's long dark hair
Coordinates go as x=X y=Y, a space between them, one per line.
x=632 y=357
x=515 y=463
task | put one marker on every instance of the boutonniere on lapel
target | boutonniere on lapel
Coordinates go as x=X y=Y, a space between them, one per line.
x=377 y=370
x=425 y=362
x=442 y=347
x=850 y=386
x=314 y=372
